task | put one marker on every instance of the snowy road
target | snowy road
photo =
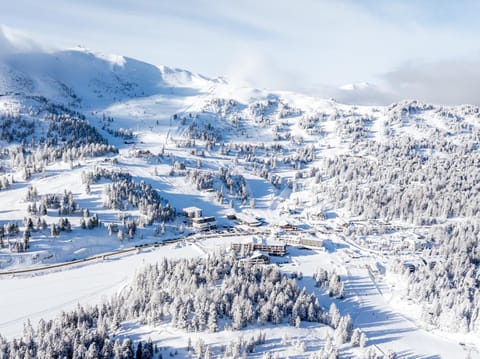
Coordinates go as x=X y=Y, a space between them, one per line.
x=386 y=328
x=390 y=330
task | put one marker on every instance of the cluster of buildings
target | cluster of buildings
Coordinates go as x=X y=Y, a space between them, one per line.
x=272 y=248
x=255 y=250
x=196 y=219
x=397 y=242
x=258 y=251
x=199 y=222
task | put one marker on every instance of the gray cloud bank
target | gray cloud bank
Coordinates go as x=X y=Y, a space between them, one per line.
x=445 y=82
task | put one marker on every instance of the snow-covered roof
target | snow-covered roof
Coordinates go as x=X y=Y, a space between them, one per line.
x=191 y=209
x=266 y=241
x=244 y=217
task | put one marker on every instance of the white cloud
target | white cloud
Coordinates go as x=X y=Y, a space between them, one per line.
x=256 y=68
x=15 y=41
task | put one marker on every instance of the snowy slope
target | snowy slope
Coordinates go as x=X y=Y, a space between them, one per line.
x=83 y=78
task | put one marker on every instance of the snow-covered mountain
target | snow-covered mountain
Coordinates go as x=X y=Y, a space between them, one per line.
x=105 y=151
x=80 y=77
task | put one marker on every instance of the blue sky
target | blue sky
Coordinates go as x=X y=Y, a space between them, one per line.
x=422 y=49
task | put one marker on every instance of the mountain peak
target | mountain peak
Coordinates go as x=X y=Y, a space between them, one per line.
x=82 y=77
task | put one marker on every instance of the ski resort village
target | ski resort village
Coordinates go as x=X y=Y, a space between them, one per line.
x=151 y=212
